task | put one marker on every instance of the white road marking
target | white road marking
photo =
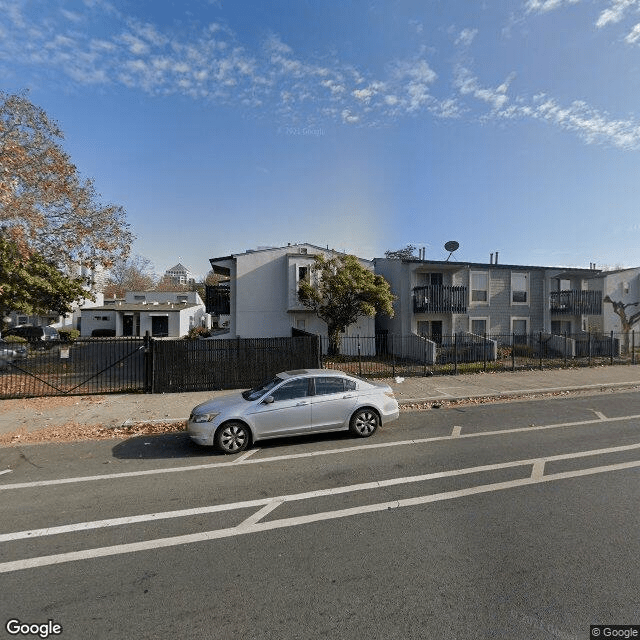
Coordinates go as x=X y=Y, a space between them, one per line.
x=271 y=503
x=255 y=527
x=309 y=454
x=599 y=414
x=5 y=471
x=538 y=469
x=245 y=455
x=258 y=515
x=456 y=432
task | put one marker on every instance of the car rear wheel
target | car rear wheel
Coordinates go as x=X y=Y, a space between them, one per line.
x=232 y=437
x=364 y=423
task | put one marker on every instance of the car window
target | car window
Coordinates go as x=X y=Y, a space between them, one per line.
x=350 y=385
x=327 y=385
x=259 y=391
x=291 y=390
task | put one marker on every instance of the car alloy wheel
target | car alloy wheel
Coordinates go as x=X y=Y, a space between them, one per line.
x=364 y=422
x=232 y=437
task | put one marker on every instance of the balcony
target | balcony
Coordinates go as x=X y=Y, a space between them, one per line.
x=576 y=303
x=439 y=299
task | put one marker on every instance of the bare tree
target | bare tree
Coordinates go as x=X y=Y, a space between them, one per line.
x=627 y=322
x=129 y=274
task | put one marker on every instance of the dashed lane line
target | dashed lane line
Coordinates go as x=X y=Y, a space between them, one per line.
x=250 y=525
x=268 y=504
x=309 y=454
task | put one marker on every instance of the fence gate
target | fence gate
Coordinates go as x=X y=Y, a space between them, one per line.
x=85 y=366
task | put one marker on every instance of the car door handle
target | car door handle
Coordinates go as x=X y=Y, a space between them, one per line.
x=349 y=395
x=301 y=404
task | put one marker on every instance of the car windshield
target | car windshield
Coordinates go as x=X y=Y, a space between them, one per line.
x=259 y=391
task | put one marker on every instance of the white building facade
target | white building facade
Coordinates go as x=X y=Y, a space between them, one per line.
x=263 y=290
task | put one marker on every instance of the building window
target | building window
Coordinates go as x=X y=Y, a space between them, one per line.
x=303 y=274
x=479 y=326
x=143 y=298
x=519 y=288
x=479 y=286
x=520 y=330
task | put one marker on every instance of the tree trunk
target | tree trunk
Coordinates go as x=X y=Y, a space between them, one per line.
x=334 y=340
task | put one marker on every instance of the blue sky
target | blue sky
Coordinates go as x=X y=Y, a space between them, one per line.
x=225 y=125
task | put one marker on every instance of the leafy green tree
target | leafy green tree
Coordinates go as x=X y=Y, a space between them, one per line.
x=340 y=290
x=45 y=207
x=34 y=285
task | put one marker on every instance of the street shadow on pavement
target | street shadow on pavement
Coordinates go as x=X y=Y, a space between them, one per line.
x=179 y=445
x=164 y=446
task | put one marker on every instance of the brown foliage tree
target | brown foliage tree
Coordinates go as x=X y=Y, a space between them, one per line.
x=45 y=207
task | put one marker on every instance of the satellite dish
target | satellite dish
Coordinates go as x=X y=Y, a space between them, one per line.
x=451 y=246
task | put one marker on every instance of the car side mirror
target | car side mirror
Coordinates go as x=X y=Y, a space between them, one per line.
x=268 y=400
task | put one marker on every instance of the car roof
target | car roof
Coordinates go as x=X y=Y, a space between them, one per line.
x=311 y=372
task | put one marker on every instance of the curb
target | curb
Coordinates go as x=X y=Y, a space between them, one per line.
x=521 y=393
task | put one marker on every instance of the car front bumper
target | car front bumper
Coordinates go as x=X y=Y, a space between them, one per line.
x=201 y=432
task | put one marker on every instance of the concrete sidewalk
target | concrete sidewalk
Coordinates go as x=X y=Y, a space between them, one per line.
x=116 y=410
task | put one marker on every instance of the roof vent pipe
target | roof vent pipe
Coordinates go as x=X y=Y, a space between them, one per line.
x=496 y=258
x=491 y=258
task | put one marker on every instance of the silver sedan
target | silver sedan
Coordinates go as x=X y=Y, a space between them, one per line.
x=293 y=403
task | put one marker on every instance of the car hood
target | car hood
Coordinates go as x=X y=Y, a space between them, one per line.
x=221 y=403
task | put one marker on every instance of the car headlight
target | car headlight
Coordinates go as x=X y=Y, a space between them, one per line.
x=205 y=417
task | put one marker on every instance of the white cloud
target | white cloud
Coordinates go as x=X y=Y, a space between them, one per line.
x=543 y=6
x=466 y=37
x=591 y=125
x=615 y=13
x=349 y=118
x=467 y=84
x=634 y=35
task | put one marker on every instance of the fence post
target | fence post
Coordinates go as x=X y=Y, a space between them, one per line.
x=565 y=348
x=633 y=347
x=455 y=354
x=424 y=356
x=513 y=351
x=359 y=358
x=540 y=348
x=484 y=352
x=148 y=363
x=589 y=348
x=393 y=355
x=611 y=347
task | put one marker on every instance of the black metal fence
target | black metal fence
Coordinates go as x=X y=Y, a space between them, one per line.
x=386 y=355
x=108 y=365
x=85 y=366
x=202 y=365
x=118 y=365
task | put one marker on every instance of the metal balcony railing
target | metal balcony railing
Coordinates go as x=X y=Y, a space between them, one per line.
x=439 y=299
x=576 y=302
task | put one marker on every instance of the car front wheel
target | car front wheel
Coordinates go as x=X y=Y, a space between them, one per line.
x=364 y=423
x=232 y=437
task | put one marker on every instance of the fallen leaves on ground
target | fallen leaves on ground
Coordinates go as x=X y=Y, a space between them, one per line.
x=72 y=432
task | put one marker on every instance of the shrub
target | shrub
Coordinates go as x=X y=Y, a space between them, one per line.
x=15 y=339
x=198 y=332
x=68 y=335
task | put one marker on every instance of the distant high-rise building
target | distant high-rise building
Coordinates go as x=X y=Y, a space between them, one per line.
x=179 y=274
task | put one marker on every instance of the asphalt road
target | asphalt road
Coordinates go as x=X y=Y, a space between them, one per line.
x=516 y=520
